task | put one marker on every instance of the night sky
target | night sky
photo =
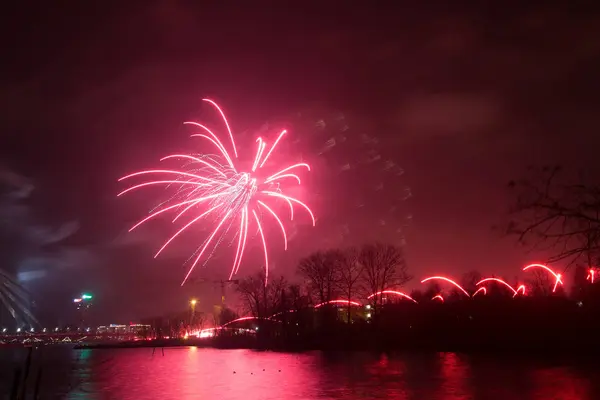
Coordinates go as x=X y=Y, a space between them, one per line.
x=414 y=117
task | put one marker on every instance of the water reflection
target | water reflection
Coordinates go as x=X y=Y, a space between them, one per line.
x=192 y=373
x=454 y=373
x=559 y=383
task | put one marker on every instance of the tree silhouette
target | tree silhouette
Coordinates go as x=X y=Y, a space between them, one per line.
x=384 y=268
x=321 y=272
x=259 y=299
x=469 y=281
x=558 y=217
x=350 y=274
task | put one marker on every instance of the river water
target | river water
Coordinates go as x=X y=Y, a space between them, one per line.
x=193 y=373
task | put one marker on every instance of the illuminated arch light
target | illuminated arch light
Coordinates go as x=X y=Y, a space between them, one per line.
x=481 y=289
x=346 y=302
x=240 y=319
x=393 y=292
x=281 y=312
x=438 y=297
x=447 y=280
x=522 y=289
x=591 y=275
x=545 y=267
x=499 y=281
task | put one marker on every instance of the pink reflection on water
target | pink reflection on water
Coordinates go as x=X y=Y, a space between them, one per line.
x=195 y=373
x=454 y=372
x=559 y=384
x=188 y=373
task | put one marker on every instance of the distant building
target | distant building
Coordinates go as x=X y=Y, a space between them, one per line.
x=84 y=305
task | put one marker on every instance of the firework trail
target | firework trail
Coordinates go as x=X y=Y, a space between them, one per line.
x=212 y=187
x=366 y=193
x=557 y=276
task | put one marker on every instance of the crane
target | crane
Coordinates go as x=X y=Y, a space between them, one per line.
x=221 y=282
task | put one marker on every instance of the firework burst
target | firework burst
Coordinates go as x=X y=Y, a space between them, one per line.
x=211 y=187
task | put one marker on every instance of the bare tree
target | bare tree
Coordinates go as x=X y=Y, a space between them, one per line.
x=350 y=274
x=227 y=315
x=433 y=289
x=561 y=218
x=321 y=271
x=297 y=300
x=260 y=299
x=469 y=281
x=384 y=268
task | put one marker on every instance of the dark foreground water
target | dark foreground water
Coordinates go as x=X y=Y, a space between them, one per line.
x=192 y=373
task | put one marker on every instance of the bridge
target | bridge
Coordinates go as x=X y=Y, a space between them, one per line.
x=65 y=337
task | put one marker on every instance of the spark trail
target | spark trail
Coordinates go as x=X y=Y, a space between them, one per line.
x=212 y=188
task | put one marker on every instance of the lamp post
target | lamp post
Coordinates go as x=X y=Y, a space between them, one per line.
x=193 y=303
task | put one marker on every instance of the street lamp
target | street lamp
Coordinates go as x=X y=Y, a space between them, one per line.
x=193 y=303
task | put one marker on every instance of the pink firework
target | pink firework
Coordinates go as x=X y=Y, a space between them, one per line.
x=211 y=187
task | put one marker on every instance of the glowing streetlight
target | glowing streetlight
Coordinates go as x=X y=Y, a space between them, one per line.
x=193 y=303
